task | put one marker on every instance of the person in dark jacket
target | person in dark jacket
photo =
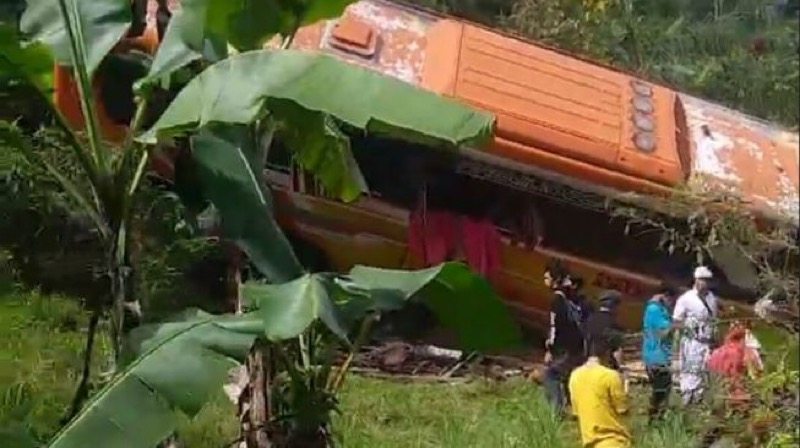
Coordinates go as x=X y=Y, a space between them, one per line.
x=601 y=327
x=565 y=347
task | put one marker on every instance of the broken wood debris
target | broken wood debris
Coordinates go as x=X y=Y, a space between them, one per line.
x=407 y=362
x=403 y=361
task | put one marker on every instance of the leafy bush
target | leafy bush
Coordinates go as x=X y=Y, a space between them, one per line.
x=49 y=245
x=740 y=53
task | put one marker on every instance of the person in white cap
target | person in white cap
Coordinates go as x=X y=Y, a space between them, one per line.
x=695 y=313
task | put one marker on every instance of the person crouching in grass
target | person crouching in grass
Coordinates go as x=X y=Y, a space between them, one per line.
x=599 y=398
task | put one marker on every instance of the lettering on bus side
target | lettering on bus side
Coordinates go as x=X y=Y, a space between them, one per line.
x=604 y=280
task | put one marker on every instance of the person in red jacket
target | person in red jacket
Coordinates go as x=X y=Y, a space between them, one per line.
x=733 y=363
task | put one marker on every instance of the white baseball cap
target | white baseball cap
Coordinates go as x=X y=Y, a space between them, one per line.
x=703 y=273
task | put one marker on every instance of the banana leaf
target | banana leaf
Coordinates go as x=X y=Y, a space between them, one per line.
x=301 y=91
x=222 y=156
x=29 y=62
x=302 y=94
x=102 y=24
x=245 y=87
x=460 y=299
x=290 y=308
x=201 y=29
x=167 y=368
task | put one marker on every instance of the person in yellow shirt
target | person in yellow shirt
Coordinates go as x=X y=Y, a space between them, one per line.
x=599 y=399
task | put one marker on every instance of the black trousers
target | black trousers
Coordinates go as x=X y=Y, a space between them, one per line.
x=556 y=379
x=660 y=378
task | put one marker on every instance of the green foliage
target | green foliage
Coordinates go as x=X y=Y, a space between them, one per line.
x=102 y=24
x=168 y=249
x=52 y=246
x=31 y=62
x=484 y=11
x=16 y=437
x=740 y=53
x=169 y=366
x=288 y=309
x=223 y=156
x=314 y=306
x=201 y=29
x=778 y=393
x=704 y=224
x=38 y=224
x=35 y=359
x=231 y=92
x=177 y=364
x=460 y=300
x=41 y=339
x=294 y=88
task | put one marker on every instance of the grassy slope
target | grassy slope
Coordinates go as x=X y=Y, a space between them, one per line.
x=40 y=359
x=41 y=346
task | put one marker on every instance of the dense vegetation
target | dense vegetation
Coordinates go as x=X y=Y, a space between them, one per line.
x=287 y=323
x=741 y=53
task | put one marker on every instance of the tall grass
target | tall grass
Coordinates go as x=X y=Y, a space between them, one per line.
x=41 y=342
x=388 y=414
x=41 y=352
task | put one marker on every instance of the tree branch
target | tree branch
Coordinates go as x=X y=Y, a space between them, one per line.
x=82 y=393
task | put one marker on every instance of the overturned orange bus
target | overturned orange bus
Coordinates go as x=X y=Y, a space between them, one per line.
x=569 y=134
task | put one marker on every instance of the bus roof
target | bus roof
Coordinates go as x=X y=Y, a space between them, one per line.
x=565 y=114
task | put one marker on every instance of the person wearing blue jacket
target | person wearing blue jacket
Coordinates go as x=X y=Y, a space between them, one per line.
x=657 y=349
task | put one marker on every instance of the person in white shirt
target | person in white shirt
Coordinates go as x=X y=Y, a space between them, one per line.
x=695 y=313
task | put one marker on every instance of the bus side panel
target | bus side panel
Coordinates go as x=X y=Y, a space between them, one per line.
x=351 y=234
x=347 y=234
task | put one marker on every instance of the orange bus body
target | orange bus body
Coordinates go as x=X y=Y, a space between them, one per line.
x=558 y=117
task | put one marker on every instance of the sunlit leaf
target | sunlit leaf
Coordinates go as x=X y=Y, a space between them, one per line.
x=461 y=300
x=288 y=309
x=300 y=90
x=102 y=24
x=171 y=367
x=30 y=62
x=202 y=28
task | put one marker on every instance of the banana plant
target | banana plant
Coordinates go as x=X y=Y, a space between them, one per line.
x=292 y=95
x=175 y=366
x=224 y=111
x=82 y=33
